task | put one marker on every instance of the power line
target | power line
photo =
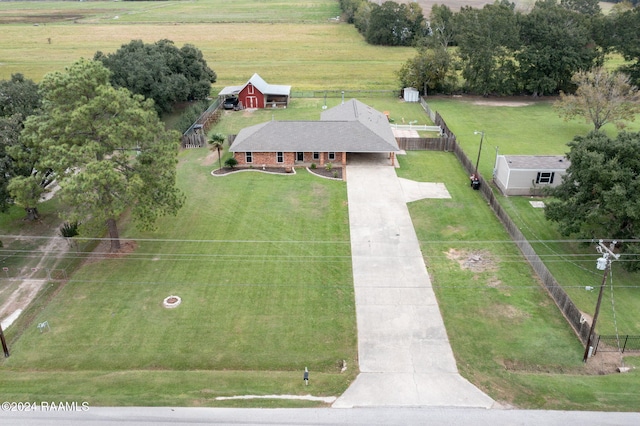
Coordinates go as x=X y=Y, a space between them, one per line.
x=214 y=241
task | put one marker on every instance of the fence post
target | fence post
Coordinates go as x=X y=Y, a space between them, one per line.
x=625 y=343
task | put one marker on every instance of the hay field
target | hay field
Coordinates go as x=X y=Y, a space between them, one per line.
x=309 y=54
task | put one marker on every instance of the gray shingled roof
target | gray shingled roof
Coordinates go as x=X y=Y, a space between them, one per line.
x=349 y=127
x=537 y=162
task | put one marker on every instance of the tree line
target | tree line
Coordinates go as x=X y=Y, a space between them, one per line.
x=498 y=50
x=94 y=129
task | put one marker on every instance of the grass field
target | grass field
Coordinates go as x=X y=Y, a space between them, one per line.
x=325 y=55
x=262 y=264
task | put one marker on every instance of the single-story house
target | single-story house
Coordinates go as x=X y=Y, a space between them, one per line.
x=528 y=174
x=257 y=93
x=352 y=127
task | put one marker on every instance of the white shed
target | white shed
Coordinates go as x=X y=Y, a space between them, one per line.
x=528 y=174
x=411 y=94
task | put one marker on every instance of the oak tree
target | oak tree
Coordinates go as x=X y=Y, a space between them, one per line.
x=601 y=97
x=160 y=71
x=19 y=98
x=599 y=198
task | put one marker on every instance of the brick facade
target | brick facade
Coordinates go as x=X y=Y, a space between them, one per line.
x=269 y=159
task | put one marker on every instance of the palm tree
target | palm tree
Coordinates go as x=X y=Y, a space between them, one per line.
x=217 y=143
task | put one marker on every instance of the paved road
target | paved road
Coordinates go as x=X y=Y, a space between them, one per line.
x=159 y=416
x=404 y=353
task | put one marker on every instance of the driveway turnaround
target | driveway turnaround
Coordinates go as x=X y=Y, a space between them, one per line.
x=404 y=353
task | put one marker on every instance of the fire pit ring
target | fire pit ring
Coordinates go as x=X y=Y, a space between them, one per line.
x=171 y=302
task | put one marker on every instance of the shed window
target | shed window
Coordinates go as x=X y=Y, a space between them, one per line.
x=545 y=177
x=332 y=156
x=280 y=157
x=251 y=89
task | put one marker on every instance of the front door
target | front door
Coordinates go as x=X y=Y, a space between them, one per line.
x=299 y=156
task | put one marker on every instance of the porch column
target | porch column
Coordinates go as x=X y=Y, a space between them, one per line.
x=321 y=159
x=393 y=156
x=344 y=166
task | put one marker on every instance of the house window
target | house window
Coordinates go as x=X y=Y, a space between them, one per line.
x=280 y=157
x=545 y=177
x=316 y=155
x=332 y=156
x=248 y=157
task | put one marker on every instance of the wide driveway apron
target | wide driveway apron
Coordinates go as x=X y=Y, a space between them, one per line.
x=404 y=353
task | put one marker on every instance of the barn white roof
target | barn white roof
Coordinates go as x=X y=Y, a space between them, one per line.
x=259 y=83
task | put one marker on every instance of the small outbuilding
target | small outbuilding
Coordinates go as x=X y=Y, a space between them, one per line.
x=528 y=174
x=410 y=94
x=257 y=93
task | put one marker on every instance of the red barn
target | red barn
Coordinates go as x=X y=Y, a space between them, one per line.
x=257 y=93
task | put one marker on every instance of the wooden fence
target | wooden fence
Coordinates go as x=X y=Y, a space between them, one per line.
x=424 y=144
x=347 y=94
x=196 y=135
x=560 y=297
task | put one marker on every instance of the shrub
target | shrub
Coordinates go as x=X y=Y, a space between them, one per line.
x=69 y=230
x=329 y=166
x=313 y=166
x=190 y=115
x=231 y=162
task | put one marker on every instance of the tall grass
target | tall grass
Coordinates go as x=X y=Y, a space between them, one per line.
x=316 y=54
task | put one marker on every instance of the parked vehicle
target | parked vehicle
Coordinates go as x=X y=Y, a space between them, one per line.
x=230 y=103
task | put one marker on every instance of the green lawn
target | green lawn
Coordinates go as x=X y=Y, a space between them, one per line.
x=518 y=131
x=262 y=264
x=532 y=129
x=508 y=336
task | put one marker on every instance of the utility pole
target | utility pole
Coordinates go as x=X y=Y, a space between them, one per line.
x=481 y=133
x=604 y=264
x=475 y=178
x=4 y=343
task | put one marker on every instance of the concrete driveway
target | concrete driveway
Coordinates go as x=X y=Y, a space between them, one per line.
x=404 y=353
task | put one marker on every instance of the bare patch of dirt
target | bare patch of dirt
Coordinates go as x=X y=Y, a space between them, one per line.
x=102 y=252
x=600 y=364
x=502 y=103
x=494 y=283
x=476 y=261
x=27 y=285
x=508 y=311
x=603 y=363
x=211 y=158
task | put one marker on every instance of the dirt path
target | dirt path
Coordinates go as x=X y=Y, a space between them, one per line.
x=24 y=288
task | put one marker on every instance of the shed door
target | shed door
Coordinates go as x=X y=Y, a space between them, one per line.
x=252 y=102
